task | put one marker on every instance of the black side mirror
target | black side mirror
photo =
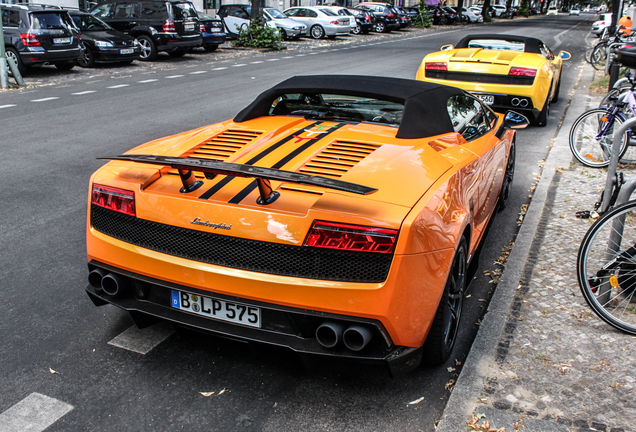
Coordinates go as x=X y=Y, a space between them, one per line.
x=514 y=120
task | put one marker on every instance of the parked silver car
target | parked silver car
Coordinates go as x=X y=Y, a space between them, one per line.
x=320 y=21
x=343 y=11
x=237 y=16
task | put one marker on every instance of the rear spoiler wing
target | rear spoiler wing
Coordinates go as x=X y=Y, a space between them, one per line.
x=211 y=168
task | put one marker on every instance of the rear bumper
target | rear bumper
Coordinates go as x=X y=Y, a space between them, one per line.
x=169 y=41
x=213 y=38
x=35 y=56
x=282 y=326
x=112 y=55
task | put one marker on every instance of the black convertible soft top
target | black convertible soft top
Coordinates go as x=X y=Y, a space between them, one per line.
x=531 y=44
x=425 y=113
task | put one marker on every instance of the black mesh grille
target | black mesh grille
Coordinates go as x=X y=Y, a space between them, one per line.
x=480 y=77
x=258 y=256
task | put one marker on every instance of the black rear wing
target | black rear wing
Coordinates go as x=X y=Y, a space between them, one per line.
x=211 y=168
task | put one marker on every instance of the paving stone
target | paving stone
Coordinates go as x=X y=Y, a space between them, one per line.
x=560 y=361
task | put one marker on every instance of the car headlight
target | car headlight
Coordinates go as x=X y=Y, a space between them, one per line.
x=104 y=44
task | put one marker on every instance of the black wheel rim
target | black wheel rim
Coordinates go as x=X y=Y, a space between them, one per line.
x=509 y=176
x=453 y=308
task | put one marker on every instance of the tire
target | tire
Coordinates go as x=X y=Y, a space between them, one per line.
x=588 y=55
x=177 y=52
x=443 y=333
x=148 y=48
x=366 y=30
x=317 y=32
x=542 y=120
x=583 y=143
x=87 y=59
x=380 y=27
x=598 y=57
x=65 y=66
x=606 y=267
x=357 y=30
x=605 y=102
x=12 y=53
x=283 y=34
x=210 y=48
x=555 y=98
x=509 y=175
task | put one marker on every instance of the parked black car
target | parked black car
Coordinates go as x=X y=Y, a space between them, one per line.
x=404 y=17
x=102 y=43
x=171 y=26
x=385 y=16
x=39 y=34
x=451 y=14
x=212 y=31
x=364 y=19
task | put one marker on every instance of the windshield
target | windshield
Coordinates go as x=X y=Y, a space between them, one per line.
x=328 y=12
x=495 y=44
x=89 y=22
x=50 y=20
x=275 y=13
x=181 y=11
x=338 y=108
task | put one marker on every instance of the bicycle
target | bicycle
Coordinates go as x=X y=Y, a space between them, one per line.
x=592 y=134
x=606 y=261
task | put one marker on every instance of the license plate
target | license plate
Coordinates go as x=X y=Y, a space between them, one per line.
x=62 y=40
x=217 y=309
x=126 y=51
x=215 y=30
x=189 y=26
x=487 y=99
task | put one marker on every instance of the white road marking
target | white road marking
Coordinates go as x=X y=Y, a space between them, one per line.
x=288 y=57
x=84 y=93
x=198 y=72
x=257 y=62
x=174 y=76
x=313 y=53
x=6 y=106
x=147 y=81
x=118 y=86
x=219 y=68
x=239 y=65
x=93 y=82
x=44 y=99
x=301 y=55
x=274 y=59
x=143 y=341
x=34 y=413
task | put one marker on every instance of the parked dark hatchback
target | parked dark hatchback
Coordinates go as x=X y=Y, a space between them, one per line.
x=365 y=20
x=102 y=43
x=39 y=34
x=212 y=31
x=171 y=26
x=386 y=17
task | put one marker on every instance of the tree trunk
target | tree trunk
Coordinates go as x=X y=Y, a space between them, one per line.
x=257 y=10
x=485 y=12
x=460 y=6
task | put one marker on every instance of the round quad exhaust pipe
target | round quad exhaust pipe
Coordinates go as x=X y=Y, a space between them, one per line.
x=523 y=102
x=95 y=278
x=113 y=284
x=329 y=334
x=357 y=337
x=515 y=102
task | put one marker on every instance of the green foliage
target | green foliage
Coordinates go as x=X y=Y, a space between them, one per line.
x=423 y=20
x=259 y=35
x=523 y=8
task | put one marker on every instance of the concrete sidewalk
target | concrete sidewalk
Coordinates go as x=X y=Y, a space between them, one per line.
x=542 y=360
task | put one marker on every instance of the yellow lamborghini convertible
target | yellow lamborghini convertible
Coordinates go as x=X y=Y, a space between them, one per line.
x=504 y=71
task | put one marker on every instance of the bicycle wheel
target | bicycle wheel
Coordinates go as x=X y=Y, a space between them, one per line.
x=606 y=102
x=592 y=135
x=606 y=267
x=588 y=55
x=599 y=56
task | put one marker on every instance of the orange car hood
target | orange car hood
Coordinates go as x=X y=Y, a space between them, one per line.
x=401 y=170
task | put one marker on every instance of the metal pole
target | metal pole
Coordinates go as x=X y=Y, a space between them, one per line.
x=4 y=75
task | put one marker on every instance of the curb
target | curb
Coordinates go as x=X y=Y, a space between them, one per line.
x=481 y=358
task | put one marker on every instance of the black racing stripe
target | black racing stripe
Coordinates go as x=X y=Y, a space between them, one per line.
x=217 y=187
x=248 y=189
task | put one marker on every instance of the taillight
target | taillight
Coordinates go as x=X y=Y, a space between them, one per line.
x=526 y=72
x=169 y=26
x=435 y=66
x=339 y=236
x=390 y=15
x=367 y=18
x=335 y=22
x=115 y=199
x=29 y=39
x=202 y=28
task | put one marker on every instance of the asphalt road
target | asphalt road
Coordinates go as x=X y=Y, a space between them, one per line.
x=55 y=343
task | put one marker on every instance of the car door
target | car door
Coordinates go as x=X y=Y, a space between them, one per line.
x=125 y=16
x=237 y=17
x=476 y=123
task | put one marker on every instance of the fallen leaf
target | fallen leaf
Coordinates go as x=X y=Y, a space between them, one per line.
x=416 y=401
x=206 y=394
x=222 y=391
x=53 y=372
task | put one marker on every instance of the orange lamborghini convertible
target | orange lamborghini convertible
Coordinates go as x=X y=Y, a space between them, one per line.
x=335 y=216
